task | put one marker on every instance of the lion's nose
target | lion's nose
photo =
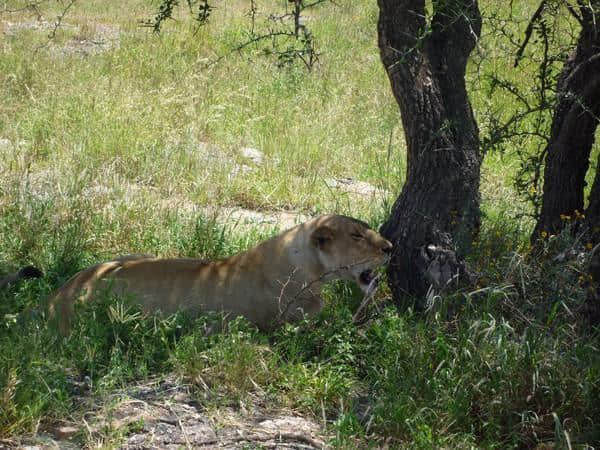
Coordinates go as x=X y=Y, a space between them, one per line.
x=387 y=247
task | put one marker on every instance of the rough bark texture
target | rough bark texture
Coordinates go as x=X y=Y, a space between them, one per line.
x=572 y=135
x=437 y=214
x=592 y=213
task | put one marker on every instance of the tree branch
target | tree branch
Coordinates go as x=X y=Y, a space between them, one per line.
x=251 y=41
x=573 y=12
x=536 y=15
x=31 y=5
x=60 y=18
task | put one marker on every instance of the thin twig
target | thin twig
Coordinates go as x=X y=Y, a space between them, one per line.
x=573 y=12
x=307 y=286
x=278 y=437
x=183 y=431
x=59 y=19
x=529 y=30
x=250 y=42
x=31 y=5
x=367 y=298
x=57 y=25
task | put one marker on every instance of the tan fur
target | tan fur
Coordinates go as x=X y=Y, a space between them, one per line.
x=277 y=281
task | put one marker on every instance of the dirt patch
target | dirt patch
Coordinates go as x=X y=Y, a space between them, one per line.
x=253 y=154
x=351 y=186
x=13 y=28
x=91 y=40
x=88 y=39
x=44 y=185
x=164 y=414
x=234 y=217
x=241 y=217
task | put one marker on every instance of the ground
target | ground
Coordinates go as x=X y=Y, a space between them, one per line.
x=162 y=413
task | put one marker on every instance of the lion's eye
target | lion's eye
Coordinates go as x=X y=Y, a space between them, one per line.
x=357 y=236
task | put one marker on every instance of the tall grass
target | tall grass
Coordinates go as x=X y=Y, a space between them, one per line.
x=476 y=371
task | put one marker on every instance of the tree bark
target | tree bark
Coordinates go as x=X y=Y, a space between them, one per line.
x=436 y=216
x=572 y=134
x=592 y=213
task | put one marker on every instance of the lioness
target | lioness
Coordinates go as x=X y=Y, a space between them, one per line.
x=277 y=281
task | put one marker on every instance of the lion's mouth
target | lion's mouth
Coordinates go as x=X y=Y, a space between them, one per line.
x=366 y=276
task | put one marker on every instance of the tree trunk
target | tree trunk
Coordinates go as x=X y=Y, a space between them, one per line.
x=436 y=216
x=592 y=213
x=572 y=135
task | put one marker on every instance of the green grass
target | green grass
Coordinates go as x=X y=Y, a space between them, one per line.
x=121 y=152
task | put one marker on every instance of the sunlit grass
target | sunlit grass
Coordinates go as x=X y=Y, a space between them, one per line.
x=149 y=106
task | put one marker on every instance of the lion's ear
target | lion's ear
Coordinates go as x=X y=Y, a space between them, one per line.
x=321 y=237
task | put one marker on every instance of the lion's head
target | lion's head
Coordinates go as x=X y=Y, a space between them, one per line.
x=349 y=249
